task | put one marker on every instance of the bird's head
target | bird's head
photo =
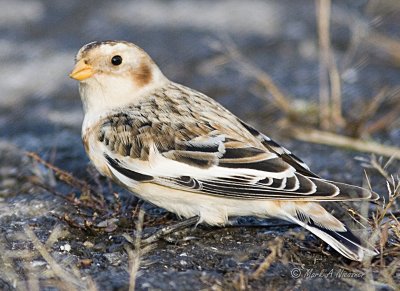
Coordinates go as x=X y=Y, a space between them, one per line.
x=114 y=73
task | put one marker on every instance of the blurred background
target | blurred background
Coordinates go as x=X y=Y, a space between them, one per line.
x=301 y=71
x=40 y=108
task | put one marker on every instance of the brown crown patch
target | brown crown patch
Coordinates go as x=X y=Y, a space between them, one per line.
x=142 y=75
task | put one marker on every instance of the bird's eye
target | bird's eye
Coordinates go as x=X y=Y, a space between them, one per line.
x=116 y=60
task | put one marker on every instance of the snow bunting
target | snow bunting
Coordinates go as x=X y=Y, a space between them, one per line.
x=182 y=151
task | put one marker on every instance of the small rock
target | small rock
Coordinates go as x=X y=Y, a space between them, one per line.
x=88 y=244
x=85 y=262
x=113 y=258
x=66 y=248
x=35 y=264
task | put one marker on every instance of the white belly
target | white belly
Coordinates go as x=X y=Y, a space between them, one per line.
x=212 y=210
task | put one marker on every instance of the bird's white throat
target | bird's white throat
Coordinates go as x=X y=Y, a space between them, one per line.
x=103 y=94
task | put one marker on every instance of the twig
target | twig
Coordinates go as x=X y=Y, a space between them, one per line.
x=170 y=229
x=332 y=139
x=62 y=175
x=275 y=247
x=87 y=191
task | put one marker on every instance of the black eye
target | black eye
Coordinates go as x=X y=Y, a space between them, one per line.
x=116 y=60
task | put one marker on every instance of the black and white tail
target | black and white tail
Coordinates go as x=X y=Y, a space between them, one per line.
x=324 y=225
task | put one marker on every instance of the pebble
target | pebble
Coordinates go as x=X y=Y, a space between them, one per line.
x=88 y=244
x=66 y=248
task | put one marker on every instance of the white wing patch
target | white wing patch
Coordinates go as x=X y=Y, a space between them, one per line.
x=240 y=183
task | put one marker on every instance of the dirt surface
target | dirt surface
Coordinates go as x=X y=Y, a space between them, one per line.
x=89 y=238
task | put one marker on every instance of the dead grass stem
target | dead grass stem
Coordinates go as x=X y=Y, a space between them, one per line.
x=276 y=251
x=333 y=139
x=332 y=121
x=67 y=278
x=134 y=256
x=323 y=16
x=281 y=100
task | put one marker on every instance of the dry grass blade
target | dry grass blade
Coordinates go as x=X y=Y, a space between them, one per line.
x=313 y=135
x=329 y=79
x=336 y=95
x=276 y=249
x=369 y=110
x=62 y=175
x=33 y=281
x=8 y=273
x=56 y=233
x=88 y=195
x=386 y=227
x=387 y=44
x=332 y=139
x=323 y=13
x=385 y=121
x=68 y=279
x=282 y=101
x=389 y=272
x=376 y=163
x=394 y=193
x=134 y=256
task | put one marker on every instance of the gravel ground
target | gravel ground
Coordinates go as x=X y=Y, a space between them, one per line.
x=40 y=111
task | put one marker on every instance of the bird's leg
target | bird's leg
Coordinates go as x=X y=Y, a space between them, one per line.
x=170 y=229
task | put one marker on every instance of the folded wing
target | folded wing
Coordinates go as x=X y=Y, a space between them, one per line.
x=213 y=158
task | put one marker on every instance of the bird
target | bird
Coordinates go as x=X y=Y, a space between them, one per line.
x=182 y=151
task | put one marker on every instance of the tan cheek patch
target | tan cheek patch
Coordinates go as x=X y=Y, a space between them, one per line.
x=143 y=75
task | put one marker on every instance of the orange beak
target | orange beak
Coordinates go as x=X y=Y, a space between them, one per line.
x=82 y=71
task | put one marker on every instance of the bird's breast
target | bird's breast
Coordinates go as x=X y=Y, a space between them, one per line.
x=94 y=151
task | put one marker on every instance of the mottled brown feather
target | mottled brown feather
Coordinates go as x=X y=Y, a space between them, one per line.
x=164 y=120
